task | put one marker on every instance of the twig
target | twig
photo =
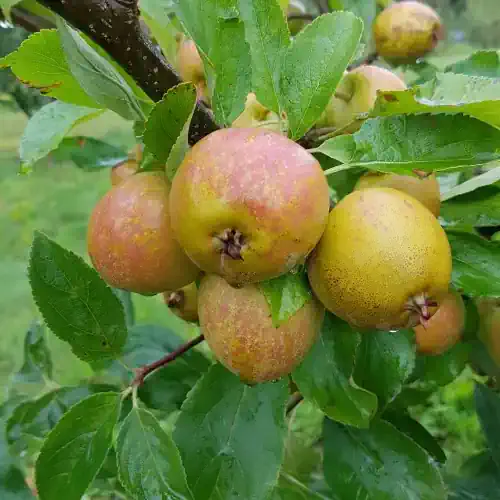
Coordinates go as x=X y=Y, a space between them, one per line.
x=304 y=16
x=144 y=371
x=369 y=59
x=294 y=400
x=310 y=139
x=323 y=6
x=29 y=21
x=115 y=26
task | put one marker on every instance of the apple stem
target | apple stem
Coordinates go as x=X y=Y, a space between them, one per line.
x=301 y=16
x=293 y=402
x=145 y=370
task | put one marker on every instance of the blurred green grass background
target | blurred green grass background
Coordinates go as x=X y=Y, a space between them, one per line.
x=55 y=198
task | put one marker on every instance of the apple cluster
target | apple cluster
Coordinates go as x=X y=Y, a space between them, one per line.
x=248 y=205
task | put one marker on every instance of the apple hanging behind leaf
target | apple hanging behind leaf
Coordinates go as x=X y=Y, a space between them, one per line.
x=356 y=94
x=257 y=115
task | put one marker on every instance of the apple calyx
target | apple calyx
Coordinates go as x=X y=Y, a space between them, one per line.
x=230 y=242
x=176 y=299
x=419 y=308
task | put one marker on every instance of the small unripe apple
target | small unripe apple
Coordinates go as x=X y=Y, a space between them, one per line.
x=406 y=31
x=123 y=171
x=496 y=236
x=295 y=25
x=445 y=326
x=356 y=94
x=489 y=325
x=190 y=67
x=257 y=115
x=424 y=188
x=130 y=166
x=183 y=302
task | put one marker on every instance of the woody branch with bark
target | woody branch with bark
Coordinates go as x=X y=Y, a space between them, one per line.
x=115 y=26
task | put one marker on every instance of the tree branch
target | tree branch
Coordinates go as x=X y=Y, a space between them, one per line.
x=115 y=26
x=293 y=402
x=29 y=21
x=144 y=371
x=323 y=6
x=369 y=59
x=303 y=15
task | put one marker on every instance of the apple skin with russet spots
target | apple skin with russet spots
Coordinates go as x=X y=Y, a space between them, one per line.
x=248 y=204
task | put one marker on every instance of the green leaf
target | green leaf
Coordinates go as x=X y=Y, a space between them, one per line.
x=479 y=208
x=76 y=448
x=448 y=93
x=199 y=19
x=366 y=10
x=411 y=396
x=325 y=375
x=286 y=295
x=379 y=463
x=488 y=410
x=418 y=433
x=230 y=56
x=128 y=305
x=476 y=265
x=441 y=370
x=37 y=364
x=97 y=76
x=384 y=362
x=89 y=153
x=482 y=488
x=35 y=418
x=12 y=483
x=40 y=63
x=219 y=35
x=479 y=181
x=479 y=464
x=477 y=479
x=47 y=128
x=305 y=428
x=242 y=431
x=6 y=5
x=149 y=463
x=165 y=389
x=75 y=303
x=290 y=488
x=402 y=144
x=167 y=127
x=314 y=65
x=482 y=63
x=156 y=16
x=267 y=34
x=146 y=103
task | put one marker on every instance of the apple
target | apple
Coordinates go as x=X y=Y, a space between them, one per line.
x=356 y=94
x=190 y=67
x=407 y=30
x=489 y=325
x=295 y=25
x=257 y=115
